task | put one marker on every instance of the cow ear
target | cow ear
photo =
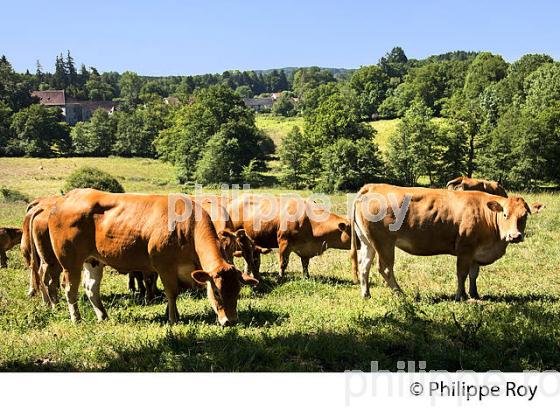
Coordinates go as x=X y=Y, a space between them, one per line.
x=200 y=276
x=536 y=208
x=342 y=226
x=262 y=251
x=495 y=206
x=238 y=254
x=248 y=279
x=225 y=234
x=240 y=233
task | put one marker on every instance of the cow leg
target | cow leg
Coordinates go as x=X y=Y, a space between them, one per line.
x=473 y=274
x=43 y=283
x=131 y=283
x=33 y=282
x=385 y=264
x=463 y=266
x=150 y=279
x=140 y=281
x=50 y=282
x=305 y=265
x=283 y=256
x=72 y=279
x=3 y=259
x=365 y=257
x=171 y=289
x=93 y=274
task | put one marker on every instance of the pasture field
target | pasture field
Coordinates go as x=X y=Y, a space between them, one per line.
x=277 y=127
x=315 y=324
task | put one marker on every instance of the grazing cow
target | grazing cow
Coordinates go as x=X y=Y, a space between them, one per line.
x=473 y=226
x=38 y=253
x=44 y=267
x=291 y=225
x=491 y=187
x=234 y=242
x=134 y=232
x=472 y=184
x=9 y=237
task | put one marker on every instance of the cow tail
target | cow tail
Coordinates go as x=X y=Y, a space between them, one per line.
x=35 y=259
x=354 y=242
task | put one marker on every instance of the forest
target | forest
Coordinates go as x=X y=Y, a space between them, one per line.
x=460 y=113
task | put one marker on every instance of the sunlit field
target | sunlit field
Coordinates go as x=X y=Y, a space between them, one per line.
x=316 y=324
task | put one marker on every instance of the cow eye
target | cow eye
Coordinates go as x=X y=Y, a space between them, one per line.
x=505 y=215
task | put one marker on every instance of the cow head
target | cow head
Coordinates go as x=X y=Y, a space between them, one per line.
x=251 y=252
x=345 y=232
x=512 y=216
x=223 y=286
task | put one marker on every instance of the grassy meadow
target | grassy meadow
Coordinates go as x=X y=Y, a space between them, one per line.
x=316 y=324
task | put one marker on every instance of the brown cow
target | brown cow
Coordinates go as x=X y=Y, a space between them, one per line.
x=473 y=226
x=9 y=237
x=44 y=277
x=490 y=187
x=234 y=242
x=134 y=232
x=291 y=225
x=473 y=184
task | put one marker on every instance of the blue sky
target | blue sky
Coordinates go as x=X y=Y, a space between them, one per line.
x=168 y=37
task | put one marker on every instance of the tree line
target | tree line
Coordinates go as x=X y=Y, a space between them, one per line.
x=460 y=113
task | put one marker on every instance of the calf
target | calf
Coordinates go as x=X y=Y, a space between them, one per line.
x=9 y=237
x=473 y=226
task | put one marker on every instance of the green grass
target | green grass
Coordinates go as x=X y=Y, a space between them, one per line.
x=316 y=324
x=277 y=127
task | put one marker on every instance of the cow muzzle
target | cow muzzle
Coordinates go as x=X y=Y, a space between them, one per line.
x=515 y=237
x=226 y=322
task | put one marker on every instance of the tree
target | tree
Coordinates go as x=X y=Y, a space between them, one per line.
x=96 y=137
x=348 y=165
x=130 y=85
x=97 y=88
x=244 y=91
x=542 y=88
x=306 y=79
x=454 y=152
x=371 y=85
x=485 y=69
x=138 y=129
x=413 y=148
x=284 y=105
x=39 y=131
x=293 y=153
x=192 y=126
x=336 y=116
x=14 y=88
x=5 y=132
x=394 y=63
x=228 y=152
x=60 y=76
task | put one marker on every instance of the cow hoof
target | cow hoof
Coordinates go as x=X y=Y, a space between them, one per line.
x=460 y=297
x=367 y=296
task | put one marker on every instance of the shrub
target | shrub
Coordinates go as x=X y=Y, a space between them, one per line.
x=11 y=195
x=90 y=177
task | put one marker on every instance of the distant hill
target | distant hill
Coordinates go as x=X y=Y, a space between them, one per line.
x=337 y=72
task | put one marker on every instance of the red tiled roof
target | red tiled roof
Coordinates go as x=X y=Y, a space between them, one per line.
x=50 y=97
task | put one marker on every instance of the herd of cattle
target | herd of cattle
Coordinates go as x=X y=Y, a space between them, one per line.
x=81 y=232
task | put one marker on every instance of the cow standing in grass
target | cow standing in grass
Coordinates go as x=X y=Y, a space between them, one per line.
x=291 y=225
x=134 y=232
x=9 y=237
x=475 y=227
